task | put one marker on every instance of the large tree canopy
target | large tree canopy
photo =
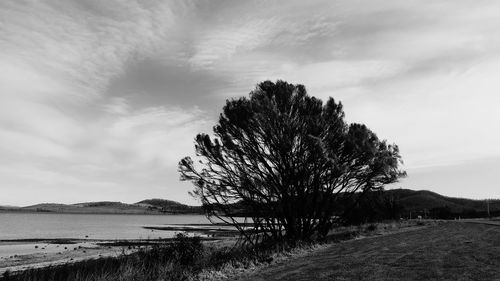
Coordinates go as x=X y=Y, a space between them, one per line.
x=289 y=159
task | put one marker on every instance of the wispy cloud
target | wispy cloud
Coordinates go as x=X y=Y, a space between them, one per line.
x=224 y=42
x=117 y=105
x=58 y=129
x=106 y=96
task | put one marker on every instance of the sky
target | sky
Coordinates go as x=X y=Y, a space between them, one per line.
x=99 y=100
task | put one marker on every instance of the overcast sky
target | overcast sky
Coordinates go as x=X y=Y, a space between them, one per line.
x=99 y=100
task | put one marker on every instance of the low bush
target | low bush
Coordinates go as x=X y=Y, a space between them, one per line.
x=371 y=227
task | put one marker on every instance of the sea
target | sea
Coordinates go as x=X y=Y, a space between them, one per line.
x=14 y=226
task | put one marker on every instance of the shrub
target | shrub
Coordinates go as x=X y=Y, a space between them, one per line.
x=371 y=227
x=187 y=250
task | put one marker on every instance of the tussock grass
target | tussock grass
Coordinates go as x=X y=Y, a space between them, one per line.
x=174 y=261
x=183 y=259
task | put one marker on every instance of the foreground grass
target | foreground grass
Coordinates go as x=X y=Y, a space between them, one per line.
x=187 y=259
x=446 y=251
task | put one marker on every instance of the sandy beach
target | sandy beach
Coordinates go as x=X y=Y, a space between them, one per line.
x=16 y=255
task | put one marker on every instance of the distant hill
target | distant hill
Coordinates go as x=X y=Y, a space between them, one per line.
x=420 y=200
x=415 y=201
x=151 y=206
x=8 y=208
x=91 y=208
x=169 y=206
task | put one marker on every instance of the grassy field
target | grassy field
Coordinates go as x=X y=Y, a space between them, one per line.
x=448 y=251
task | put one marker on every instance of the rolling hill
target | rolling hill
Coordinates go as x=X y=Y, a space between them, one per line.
x=418 y=200
x=151 y=206
x=169 y=206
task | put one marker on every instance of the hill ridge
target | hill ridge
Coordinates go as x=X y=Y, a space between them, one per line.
x=414 y=200
x=155 y=206
x=411 y=200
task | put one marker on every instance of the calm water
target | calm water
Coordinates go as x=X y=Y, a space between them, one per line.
x=78 y=226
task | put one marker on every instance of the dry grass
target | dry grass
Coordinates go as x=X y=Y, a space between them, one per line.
x=189 y=259
x=446 y=251
x=243 y=267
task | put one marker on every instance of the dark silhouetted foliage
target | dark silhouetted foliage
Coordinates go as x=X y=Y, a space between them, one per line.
x=441 y=213
x=372 y=206
x=288 y=158
x=432 y=205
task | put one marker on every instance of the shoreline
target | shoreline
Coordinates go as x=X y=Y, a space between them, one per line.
x=22 y=254
x=19 y=254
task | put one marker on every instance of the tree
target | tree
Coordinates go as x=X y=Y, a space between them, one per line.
x=441 y=212
x=371 y=206
x=286 y=159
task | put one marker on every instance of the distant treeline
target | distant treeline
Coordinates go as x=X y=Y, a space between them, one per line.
x=398 y=204
x=406 y=204
x=168 y=206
